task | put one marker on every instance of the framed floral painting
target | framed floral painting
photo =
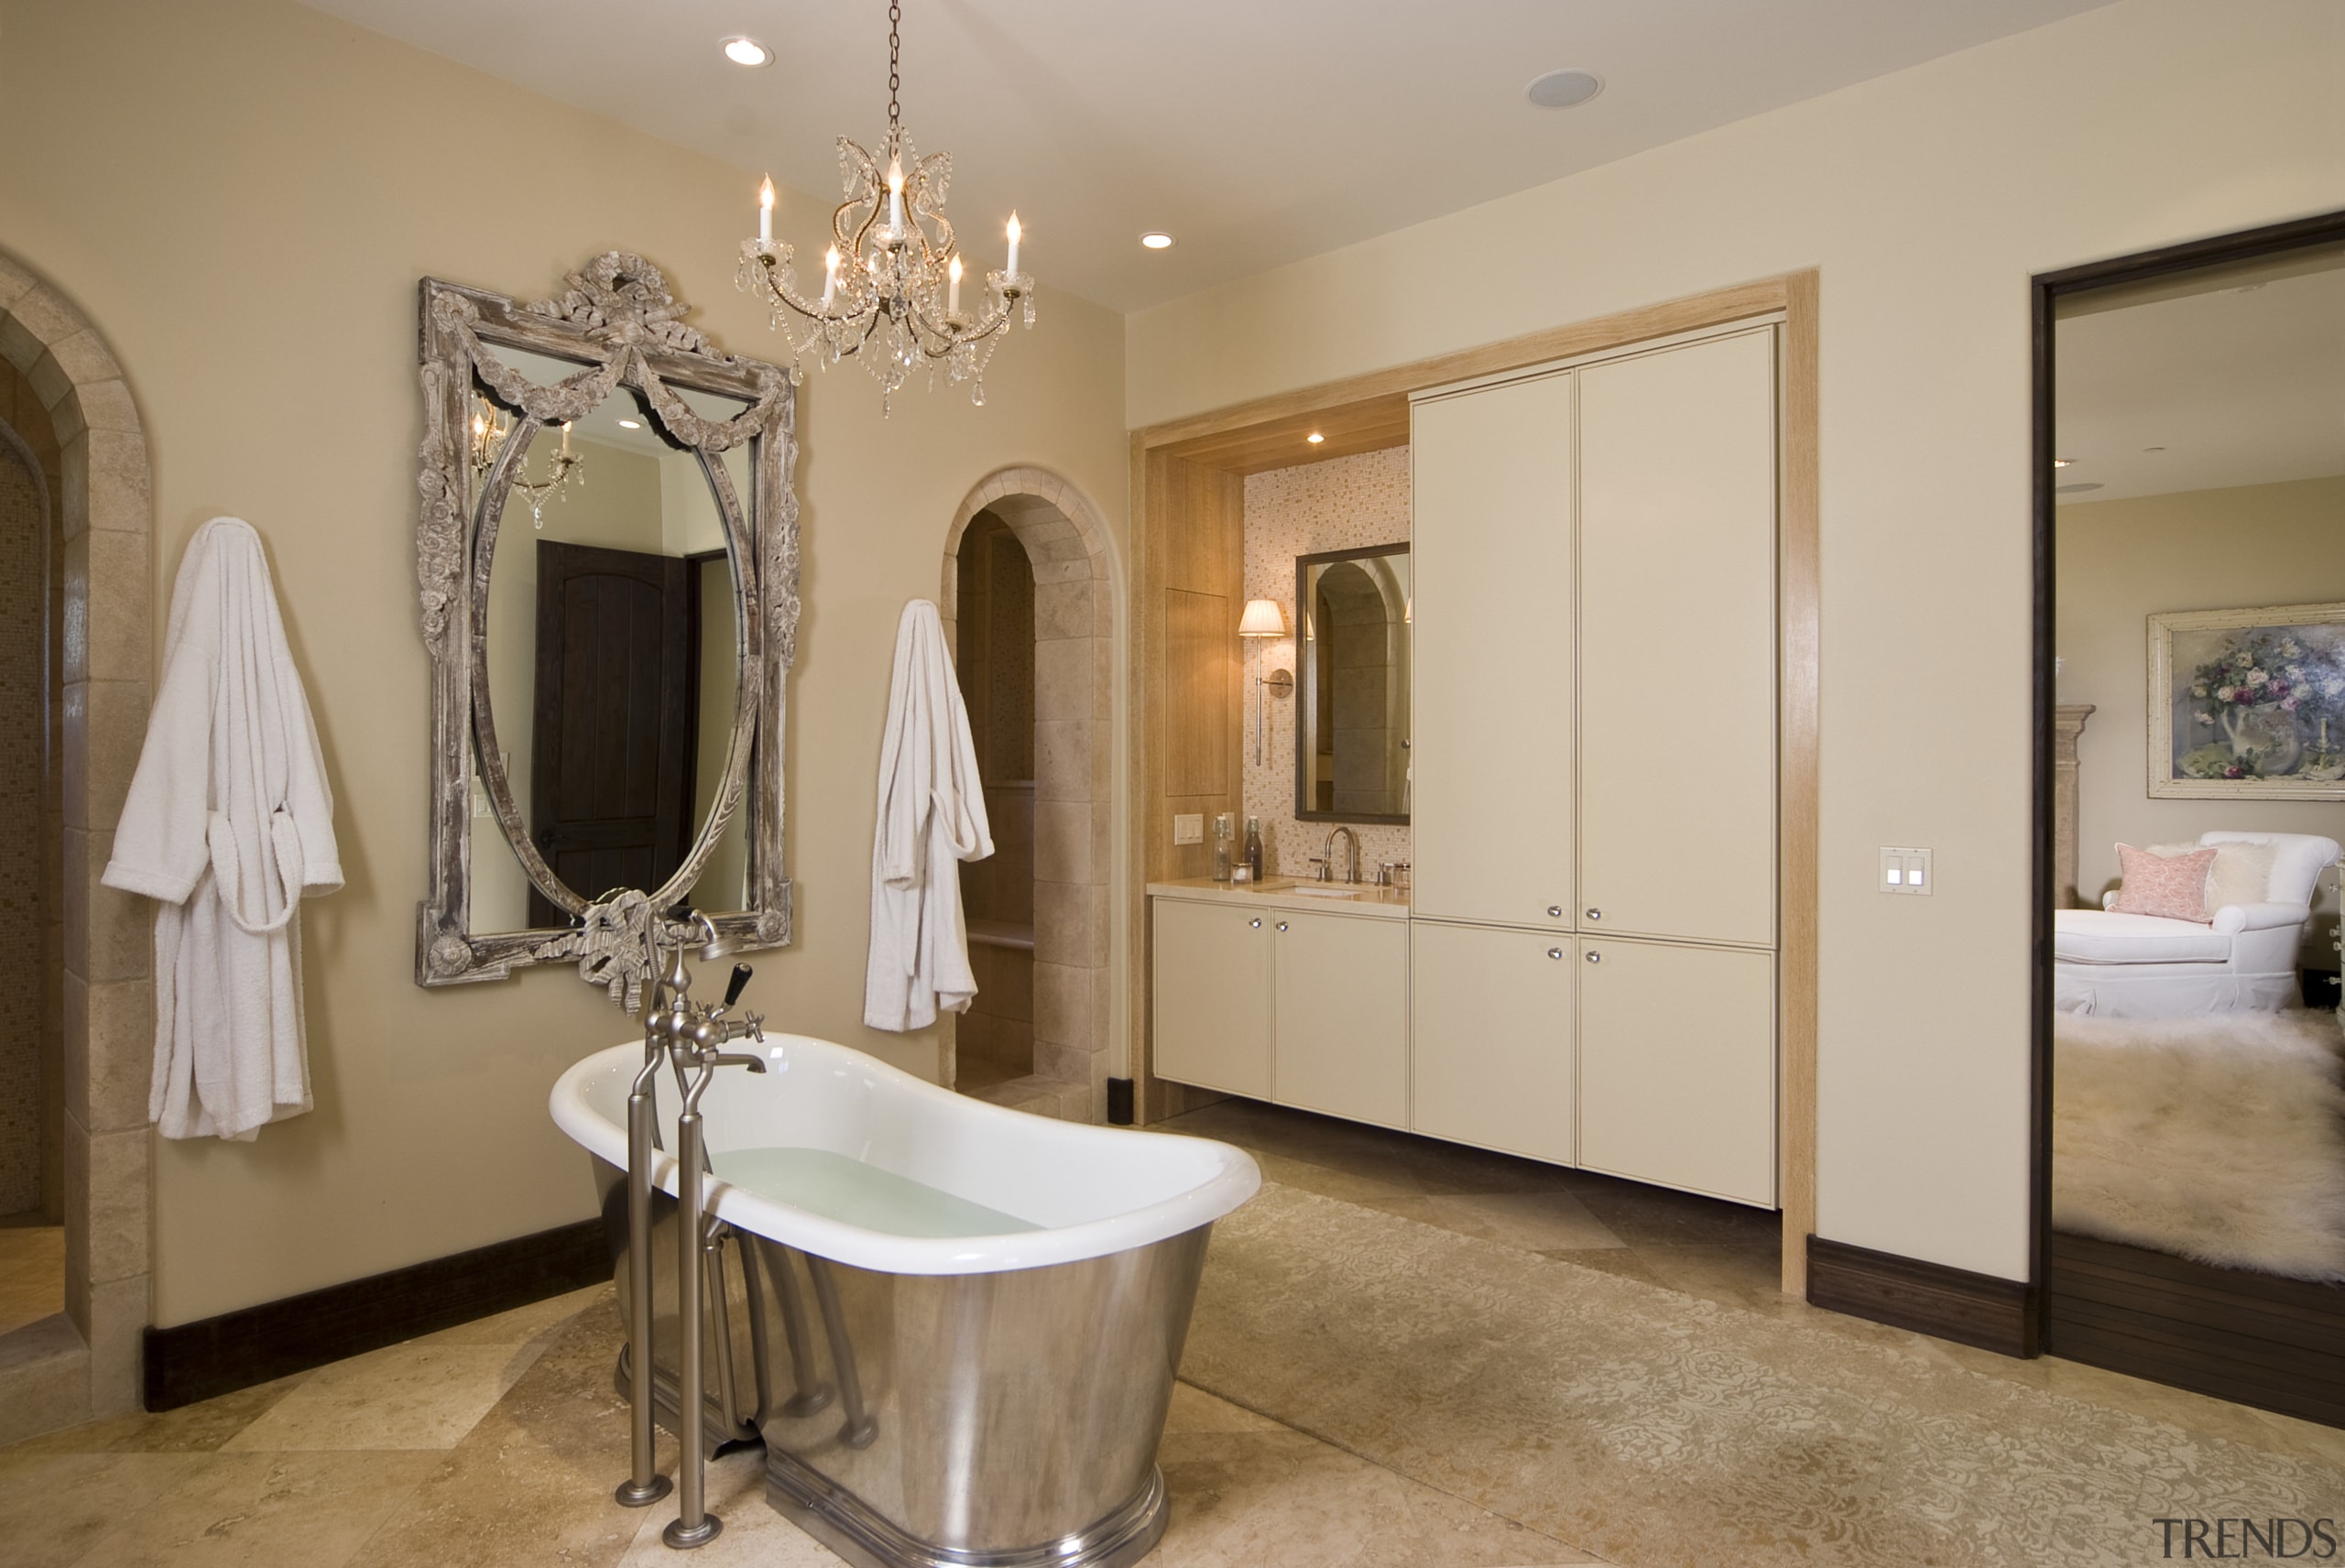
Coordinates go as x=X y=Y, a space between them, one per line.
x=2248 y=704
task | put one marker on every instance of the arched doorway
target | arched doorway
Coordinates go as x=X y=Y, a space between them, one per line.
x=84 y=1361
x=1064 y=543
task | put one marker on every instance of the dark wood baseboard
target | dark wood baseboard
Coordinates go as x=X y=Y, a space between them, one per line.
x=235 y=1350
x=2255 y=1339
x=1930 y=1298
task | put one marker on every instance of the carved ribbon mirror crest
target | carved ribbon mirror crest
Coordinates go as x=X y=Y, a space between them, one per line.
x=607 y=570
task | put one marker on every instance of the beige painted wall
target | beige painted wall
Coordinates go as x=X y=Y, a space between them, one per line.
x=1927 y=198
x=2121 y=561
x=241 y=196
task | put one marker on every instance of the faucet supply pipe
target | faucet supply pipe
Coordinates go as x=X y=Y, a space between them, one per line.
x=693 y=1524
x=644 y=1485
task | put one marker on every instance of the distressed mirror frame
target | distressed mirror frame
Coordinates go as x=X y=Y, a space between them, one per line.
x=619 y=323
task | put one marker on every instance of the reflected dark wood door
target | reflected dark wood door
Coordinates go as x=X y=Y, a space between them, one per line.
x=612 y=735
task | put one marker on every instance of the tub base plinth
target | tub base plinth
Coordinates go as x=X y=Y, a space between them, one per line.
x=857 y=1532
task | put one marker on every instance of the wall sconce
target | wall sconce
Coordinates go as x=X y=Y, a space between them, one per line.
x=1263 y=618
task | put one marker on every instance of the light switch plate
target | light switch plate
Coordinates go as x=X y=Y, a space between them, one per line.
x=1908 y=870
x=1189 y=827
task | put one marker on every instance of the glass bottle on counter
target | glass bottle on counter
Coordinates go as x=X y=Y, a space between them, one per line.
x=1254 y=848
x=1224 y=830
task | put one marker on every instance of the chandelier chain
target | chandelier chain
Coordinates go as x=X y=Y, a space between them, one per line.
x=895 y=47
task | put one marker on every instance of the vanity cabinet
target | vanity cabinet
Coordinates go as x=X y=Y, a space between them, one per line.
x=1491 y=656
x=1340 y=990
x=1303 y=1008
x=1491 y=1028
x=1213 y=996
x=1677 y=1066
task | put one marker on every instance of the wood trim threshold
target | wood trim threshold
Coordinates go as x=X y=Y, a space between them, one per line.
x=2255 y=1339
x=200 y=1360
x=1980 y=1310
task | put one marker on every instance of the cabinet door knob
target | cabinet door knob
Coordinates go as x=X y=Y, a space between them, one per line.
x=1257 y=923
x=1554 y=911
x=1594 y=957
x=1281 y=925
x=1554 y=952
x=1595 y=914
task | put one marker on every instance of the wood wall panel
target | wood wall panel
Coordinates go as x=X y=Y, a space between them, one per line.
x=1200 y=634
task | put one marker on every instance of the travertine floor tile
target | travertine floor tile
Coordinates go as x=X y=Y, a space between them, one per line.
x=1535 y=1222
x=1193 y=1410
x=55 y=1507
x=1242 y=1500
x=755 y=1536
x=32 y=1274
x=1744 y=1276
x=264 y=1510
x=192 y=1429
x=425 y=1396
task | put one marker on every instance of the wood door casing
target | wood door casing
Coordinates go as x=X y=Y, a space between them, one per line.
x=1677 y=642
x=1490 y=654
x=1491 y=1019
x=1339 y=1042
x=613 y=724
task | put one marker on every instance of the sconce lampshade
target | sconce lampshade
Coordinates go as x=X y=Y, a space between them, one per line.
x=1262 y=618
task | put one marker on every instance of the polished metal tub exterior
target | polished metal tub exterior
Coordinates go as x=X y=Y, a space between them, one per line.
x=1005 y=1420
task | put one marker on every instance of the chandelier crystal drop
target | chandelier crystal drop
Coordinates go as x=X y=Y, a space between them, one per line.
x=891 y=278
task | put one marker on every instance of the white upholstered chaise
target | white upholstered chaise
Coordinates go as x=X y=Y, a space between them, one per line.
x=2144 y=967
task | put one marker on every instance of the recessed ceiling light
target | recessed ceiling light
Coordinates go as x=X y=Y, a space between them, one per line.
x=2064 y=463
x=630 y=424
x=2073 y=489
x=1314 y=438
x=1564 y=89
x=747 y=51
x=1155 y=240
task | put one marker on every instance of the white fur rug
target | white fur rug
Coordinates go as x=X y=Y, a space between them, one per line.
x=2220 y=1138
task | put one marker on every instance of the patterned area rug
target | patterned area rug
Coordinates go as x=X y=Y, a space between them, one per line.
x=1662 y=1432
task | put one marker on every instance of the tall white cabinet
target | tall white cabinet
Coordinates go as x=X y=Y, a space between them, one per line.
x=1594 y=638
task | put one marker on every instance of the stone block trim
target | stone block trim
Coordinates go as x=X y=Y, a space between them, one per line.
x=1075 y=619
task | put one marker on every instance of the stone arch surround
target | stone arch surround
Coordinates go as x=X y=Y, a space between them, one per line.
x=1066 y=541
x=86 y=1362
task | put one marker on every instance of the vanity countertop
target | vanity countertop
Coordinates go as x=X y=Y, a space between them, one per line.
x=1287 y=893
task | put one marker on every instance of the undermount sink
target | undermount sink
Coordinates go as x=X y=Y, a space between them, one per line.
x=1313 y=889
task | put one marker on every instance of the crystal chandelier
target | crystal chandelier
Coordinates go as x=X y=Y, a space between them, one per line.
x=491 y=426
x=891 y=278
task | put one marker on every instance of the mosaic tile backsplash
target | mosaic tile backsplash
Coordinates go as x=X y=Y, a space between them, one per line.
x=1345 y=503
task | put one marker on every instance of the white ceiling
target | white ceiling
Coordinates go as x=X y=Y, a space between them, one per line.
x=1255 y=132
x=2239 y=386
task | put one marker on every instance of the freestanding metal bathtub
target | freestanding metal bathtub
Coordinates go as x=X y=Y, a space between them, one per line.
x=954 y=1326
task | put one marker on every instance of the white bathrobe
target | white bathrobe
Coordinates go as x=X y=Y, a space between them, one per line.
x=932 y=817
x=227 y=823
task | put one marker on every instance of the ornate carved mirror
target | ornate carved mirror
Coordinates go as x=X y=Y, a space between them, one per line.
x=608 y=562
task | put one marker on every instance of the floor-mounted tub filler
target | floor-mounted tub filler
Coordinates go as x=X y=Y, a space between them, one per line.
x=954 y=1326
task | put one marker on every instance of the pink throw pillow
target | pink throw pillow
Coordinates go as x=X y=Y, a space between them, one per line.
x=2172 y=886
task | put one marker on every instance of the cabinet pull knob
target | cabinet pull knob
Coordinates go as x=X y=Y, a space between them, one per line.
x=1554 y=952
x=1281 y=925
x=1594 y=957
x=1595 y=914
x=1258 y=923
x=1554 y=911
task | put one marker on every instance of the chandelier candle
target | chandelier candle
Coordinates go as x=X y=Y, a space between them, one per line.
x=891 y=278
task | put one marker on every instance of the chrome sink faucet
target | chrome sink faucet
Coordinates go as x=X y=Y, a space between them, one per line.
x=1327 y=854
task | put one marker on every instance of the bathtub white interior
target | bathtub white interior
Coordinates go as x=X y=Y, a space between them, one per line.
x=1092 y=1190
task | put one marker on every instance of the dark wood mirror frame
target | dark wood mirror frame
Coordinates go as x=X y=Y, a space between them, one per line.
x=1305 y=671
x=618 y=322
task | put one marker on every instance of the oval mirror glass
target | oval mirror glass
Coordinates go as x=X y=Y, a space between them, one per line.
x=611 y=658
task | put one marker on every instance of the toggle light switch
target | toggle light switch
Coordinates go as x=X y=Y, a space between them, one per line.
x=1905 y=870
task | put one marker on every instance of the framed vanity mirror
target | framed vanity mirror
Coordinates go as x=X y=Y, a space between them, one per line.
x=607 y=559
x=1351 y=710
